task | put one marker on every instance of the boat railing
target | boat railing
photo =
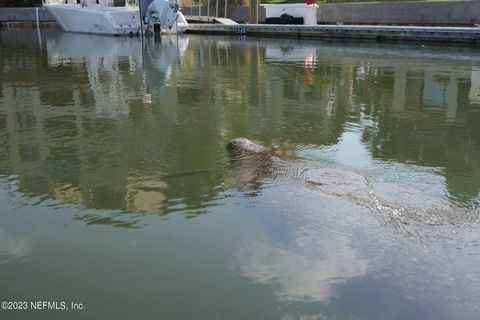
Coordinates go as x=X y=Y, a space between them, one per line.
x=82 y=2
x=92 y=3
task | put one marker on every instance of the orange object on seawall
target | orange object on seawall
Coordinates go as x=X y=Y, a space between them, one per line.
x=310 y=1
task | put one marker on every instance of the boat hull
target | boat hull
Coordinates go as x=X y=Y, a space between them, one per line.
x=115 y=21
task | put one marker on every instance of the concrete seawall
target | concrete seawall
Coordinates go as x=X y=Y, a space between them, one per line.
x=24 y=14
x=11 y=18
x=420 y=13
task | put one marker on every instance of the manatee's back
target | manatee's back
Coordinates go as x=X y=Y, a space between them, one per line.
x=244 y=145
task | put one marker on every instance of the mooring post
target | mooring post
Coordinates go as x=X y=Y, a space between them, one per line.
x=38 y=27
x=141 y=18
x=199 y=8
x=226 y=1
x=253 y=11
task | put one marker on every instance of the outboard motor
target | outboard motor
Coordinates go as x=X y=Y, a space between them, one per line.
x=165 y=13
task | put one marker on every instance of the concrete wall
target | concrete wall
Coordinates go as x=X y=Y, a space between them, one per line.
x=24 y=15
x=425 y=13
x=241 y=14
x=236 y=13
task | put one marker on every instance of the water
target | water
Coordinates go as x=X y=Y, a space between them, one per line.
x=117 y=192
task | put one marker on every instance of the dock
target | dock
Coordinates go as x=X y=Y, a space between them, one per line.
x=454 y=35
x=209 y=19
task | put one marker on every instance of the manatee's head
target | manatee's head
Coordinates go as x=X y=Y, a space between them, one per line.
x=249 y=164
x=243 y=145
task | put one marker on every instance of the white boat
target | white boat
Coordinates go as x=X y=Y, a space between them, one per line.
x=116 y=17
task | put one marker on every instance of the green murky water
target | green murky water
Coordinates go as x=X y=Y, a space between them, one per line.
x=116 y=190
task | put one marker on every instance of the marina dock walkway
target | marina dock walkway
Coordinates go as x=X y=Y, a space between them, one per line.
x=458 y=35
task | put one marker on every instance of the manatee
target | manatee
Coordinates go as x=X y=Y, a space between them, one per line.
x=250 y=163
x=243 y=145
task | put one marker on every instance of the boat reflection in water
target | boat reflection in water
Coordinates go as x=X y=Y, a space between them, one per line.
x=113 y=65
x=109 y=64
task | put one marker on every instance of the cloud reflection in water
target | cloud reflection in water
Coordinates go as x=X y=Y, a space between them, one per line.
x=13 y=247
x=306 y=271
